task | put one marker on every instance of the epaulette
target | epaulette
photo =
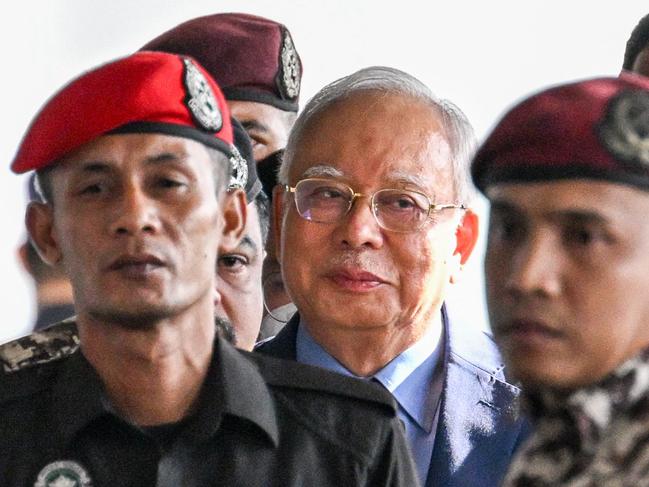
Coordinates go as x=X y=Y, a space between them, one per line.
x=43 y=346
x=287 y=373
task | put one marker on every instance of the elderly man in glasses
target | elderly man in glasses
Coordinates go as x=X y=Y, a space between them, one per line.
x=375 y=223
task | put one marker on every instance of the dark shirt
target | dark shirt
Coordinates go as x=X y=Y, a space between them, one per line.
x=258 y=421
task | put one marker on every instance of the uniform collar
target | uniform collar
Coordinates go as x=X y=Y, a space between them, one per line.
x=589 y=410
x=233 y=387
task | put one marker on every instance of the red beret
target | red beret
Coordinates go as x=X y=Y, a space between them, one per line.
x=147 y=92
x=251 y=58
x=595 y=129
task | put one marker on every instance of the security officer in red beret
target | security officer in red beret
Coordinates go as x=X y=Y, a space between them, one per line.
x=255 y=62
x=133 y=161
x=567 y=174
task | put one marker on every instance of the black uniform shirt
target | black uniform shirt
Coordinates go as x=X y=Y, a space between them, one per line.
x=258 y=422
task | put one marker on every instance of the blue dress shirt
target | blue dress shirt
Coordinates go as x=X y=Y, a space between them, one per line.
x=414 y=378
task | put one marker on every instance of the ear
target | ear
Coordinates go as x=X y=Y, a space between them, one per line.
x=39 y=220
x=466 y=236
x=235 y=214
x=279 y=204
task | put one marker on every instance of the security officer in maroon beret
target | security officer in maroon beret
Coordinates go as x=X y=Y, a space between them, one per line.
x=133 y=161
x=567 y=174
x=255 y=62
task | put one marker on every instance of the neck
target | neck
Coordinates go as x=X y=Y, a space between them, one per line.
x=365 y=351
x=153 y=375
x=53 y=292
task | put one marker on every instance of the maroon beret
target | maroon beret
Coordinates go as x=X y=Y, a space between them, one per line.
x=147 y=92
x=251 y=58
x=595 y=129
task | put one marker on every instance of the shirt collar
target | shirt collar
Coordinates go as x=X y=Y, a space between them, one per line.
x=232 y=386
x=410 y=376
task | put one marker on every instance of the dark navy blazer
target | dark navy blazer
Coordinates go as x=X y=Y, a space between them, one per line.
x=479 y=428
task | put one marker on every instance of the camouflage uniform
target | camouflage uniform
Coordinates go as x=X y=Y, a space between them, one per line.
x=594 y=436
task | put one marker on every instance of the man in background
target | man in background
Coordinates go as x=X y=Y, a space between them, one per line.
x=567 y=174
x=262 y=88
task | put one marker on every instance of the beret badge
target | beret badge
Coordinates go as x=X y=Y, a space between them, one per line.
x=290 y=68
x=239 y=176
x=624 y=131
x=200 y=99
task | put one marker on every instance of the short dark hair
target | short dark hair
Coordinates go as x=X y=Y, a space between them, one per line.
x=262 y=203
x=638 y=41
x=220 y=162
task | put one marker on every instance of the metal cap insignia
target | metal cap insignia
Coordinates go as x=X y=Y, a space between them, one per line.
x=200 y=99
x=624 y=132
x=290 y=68
x=239 y=176
x=63 y=473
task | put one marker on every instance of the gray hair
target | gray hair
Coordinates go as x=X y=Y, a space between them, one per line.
x=459 y=132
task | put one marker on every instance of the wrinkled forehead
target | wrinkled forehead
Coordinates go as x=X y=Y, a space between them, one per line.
x=375 y=138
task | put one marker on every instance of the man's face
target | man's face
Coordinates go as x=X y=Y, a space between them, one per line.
x=352 y=273
x=567 y=279
x=641 y=64
x=239 y=283
x=267 y=126
x=136 y=223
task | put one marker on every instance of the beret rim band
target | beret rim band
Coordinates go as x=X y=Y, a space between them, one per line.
x=176 y=130
x=257 y=96
x=526 y=174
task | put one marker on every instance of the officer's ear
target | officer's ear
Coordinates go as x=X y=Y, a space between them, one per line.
x=39 y=219
x=466 y=236
x=235 y=214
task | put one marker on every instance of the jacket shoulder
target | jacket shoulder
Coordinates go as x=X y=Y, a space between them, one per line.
x=314 y=381
x=48 y=345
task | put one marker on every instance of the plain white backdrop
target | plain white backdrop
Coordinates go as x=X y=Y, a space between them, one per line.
x=483 y=56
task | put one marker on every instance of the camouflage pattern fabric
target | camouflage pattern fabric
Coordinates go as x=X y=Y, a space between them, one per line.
x=52 y=343
x=592 y=437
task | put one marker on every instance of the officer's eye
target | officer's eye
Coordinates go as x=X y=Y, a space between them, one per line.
x=89 y=189
x=232 y=262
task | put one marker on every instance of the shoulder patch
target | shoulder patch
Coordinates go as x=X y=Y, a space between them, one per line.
x=310 y=378
x=52 y=343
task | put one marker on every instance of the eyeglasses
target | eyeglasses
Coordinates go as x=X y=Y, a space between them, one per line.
x=398 y=210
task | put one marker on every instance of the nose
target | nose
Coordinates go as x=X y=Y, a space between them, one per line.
x=135 y=212
x=536 y=268
x=359 y=227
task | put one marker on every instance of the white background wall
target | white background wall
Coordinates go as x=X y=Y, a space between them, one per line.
x=482 y=55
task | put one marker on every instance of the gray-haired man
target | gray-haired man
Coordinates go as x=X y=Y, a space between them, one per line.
x=375 y=204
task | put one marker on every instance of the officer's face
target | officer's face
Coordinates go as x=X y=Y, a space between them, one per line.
x=352 y=273
x=567 y=278
x=136 y=223
x=239 y=283
x=267 y=126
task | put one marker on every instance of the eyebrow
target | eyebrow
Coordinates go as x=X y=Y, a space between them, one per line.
x=572 y=215
x=165 y=157
x=322 y=170
x=252 y=125
x=247 y=241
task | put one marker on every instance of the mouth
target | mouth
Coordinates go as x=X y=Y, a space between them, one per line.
x=357 y=280
x=136 y=266
x=530 y=332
